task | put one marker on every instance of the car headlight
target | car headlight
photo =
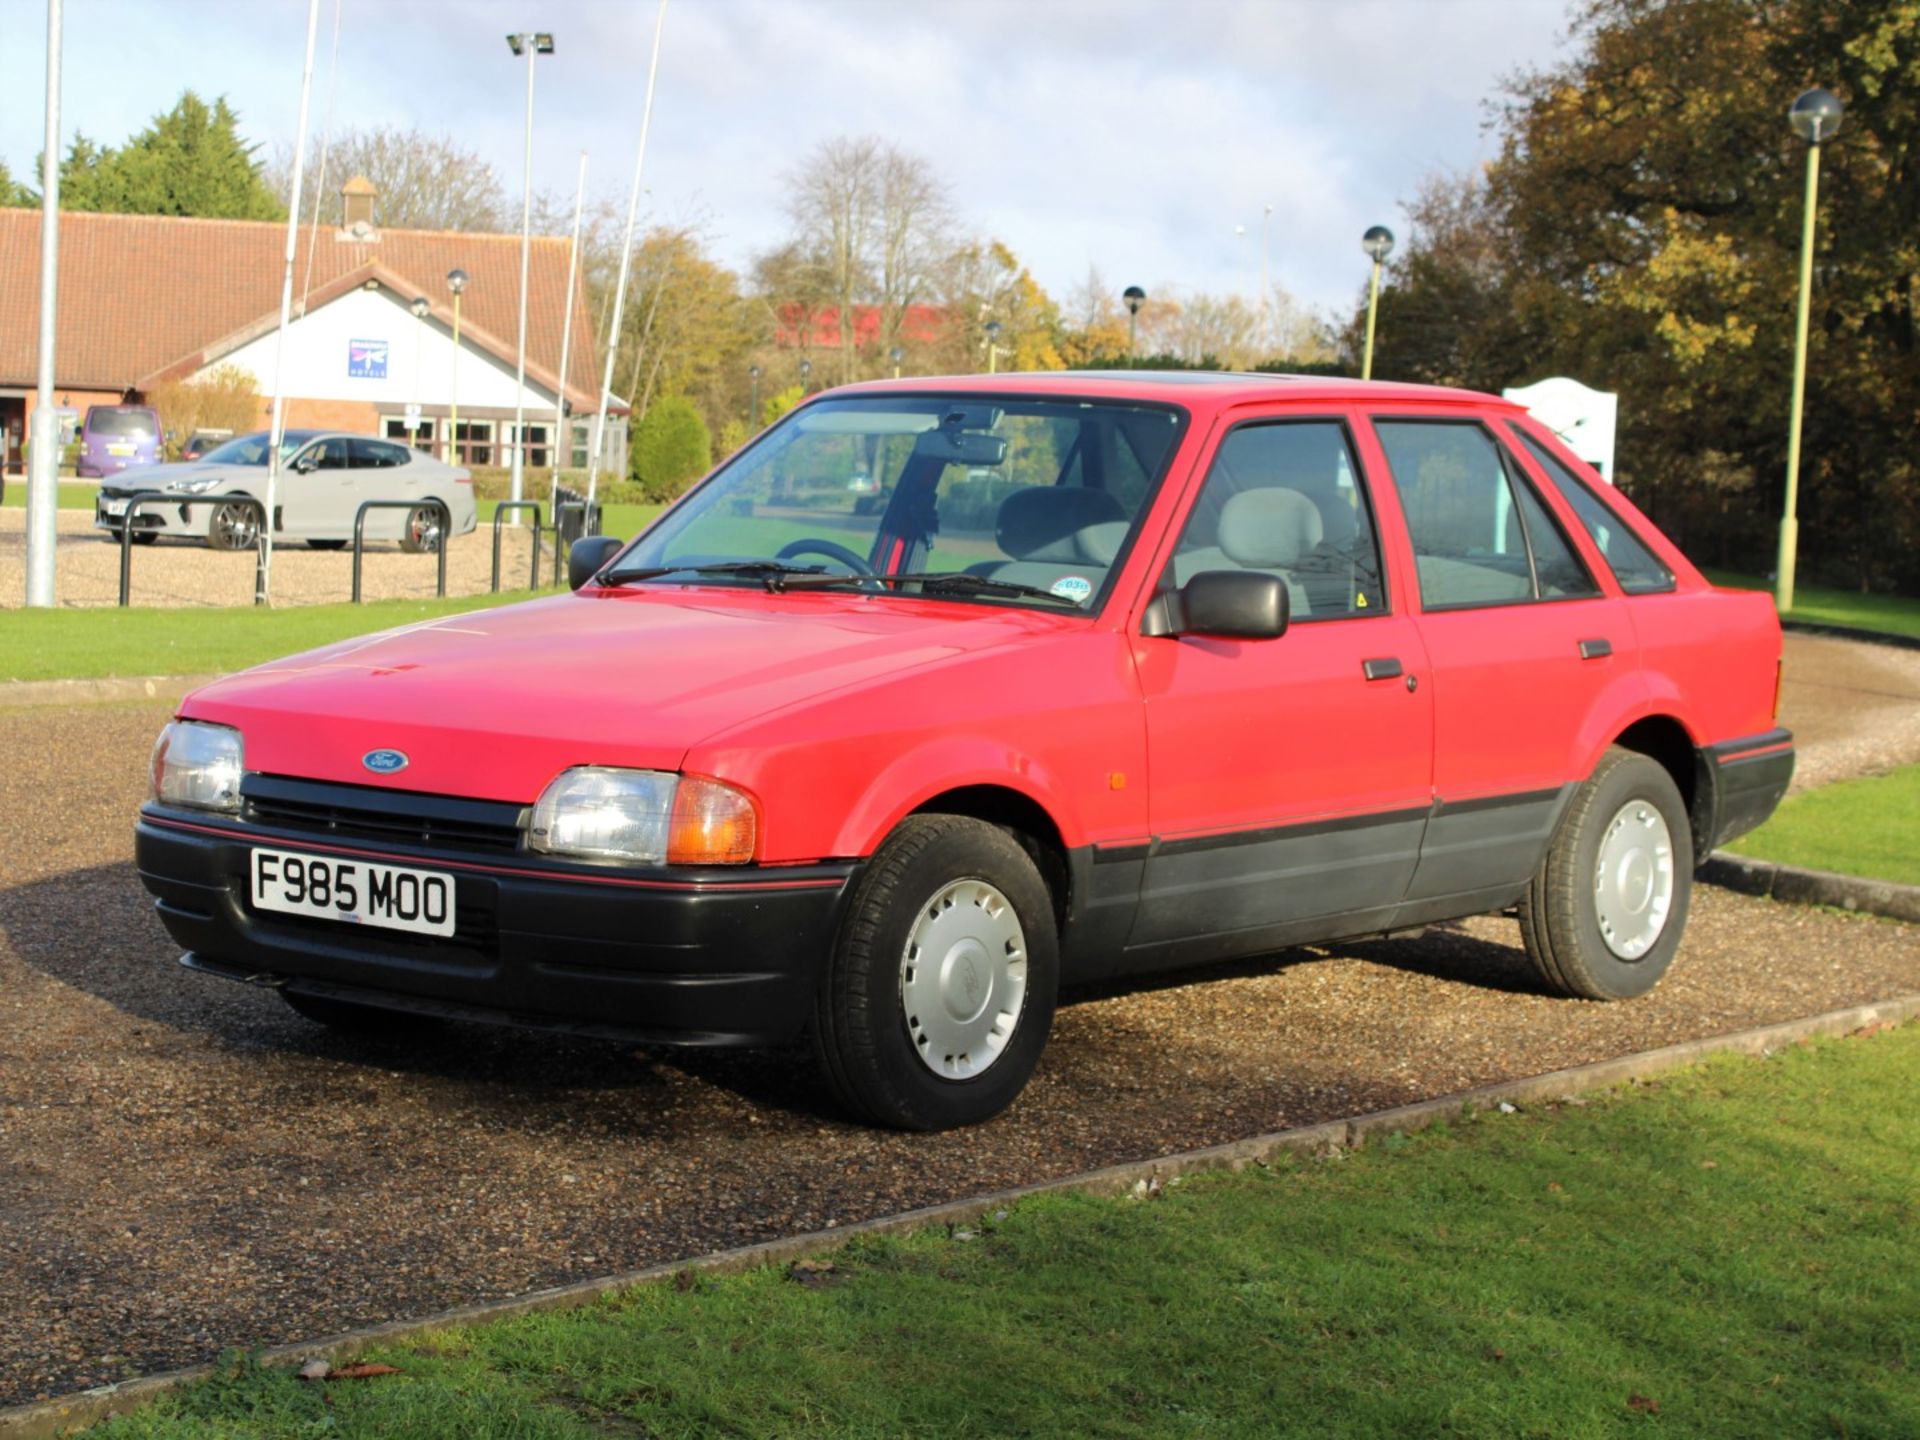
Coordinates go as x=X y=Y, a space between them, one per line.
x=198 y=765
x=644 y=817
x=193 y=487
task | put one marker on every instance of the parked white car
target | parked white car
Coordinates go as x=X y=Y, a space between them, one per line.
x=325 y=476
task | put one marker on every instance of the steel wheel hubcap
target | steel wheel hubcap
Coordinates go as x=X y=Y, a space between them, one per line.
x=1633 y=879
x=963 y=978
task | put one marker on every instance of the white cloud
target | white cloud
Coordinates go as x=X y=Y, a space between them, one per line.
x=1134 y=134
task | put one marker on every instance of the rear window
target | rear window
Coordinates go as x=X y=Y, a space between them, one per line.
x=138 y=423
x=1637 y=568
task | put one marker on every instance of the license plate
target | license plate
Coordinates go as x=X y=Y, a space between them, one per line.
x=119 y=449
x=113 y=507
x=353 y=891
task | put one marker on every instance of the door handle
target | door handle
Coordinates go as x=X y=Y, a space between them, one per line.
x=1382 y=669
x=1596 y=649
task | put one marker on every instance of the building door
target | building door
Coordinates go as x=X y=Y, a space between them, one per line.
x=1291 y=778
x=13 y=435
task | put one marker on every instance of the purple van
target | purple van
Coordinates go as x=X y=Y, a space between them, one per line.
x=118 y=437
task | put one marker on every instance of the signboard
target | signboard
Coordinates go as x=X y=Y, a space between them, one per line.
x=1583 y=418
x=366 y=359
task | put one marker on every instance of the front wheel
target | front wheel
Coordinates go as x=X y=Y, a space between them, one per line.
x=1603 y=917
x=939 y=994
x=233 y=527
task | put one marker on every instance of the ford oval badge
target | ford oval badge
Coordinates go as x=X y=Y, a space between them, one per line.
x=384 y=762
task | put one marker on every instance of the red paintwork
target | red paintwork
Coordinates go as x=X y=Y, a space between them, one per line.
x=843 y=712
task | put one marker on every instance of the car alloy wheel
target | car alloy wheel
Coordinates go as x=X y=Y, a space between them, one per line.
x=423 y=533
x=234 y=527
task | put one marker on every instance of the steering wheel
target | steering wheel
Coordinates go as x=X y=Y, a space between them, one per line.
x=795 y=548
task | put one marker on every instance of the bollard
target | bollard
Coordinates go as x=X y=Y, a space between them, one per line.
x=360 y=536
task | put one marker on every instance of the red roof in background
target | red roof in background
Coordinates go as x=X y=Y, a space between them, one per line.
x=820 y=329
x=142 y=294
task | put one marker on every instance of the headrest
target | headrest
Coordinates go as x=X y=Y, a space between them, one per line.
x=1044 y=522
x=1260 y=529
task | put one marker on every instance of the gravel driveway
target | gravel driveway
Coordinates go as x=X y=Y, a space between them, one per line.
x=185 y=1165
x=186 y=572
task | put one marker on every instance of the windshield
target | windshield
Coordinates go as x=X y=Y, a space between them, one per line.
x=252 y=449
x=1039 y=497
x=137 y=423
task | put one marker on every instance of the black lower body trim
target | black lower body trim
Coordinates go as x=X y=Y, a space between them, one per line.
x=1747 y=779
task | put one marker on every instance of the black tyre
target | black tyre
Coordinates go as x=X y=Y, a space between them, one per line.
x=1604 y=917
x=326 y=544
x=145 y=537
x=422 y=534
x=939 y=994
x=352 y=1019
x=233 y=527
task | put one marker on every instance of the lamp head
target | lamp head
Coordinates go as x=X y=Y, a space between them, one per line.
x=1815 y=116
x=1377 y=242
x=541 y=42
x=897 y=354
x=420 y=307
x=1135 y=298
x=456 y=280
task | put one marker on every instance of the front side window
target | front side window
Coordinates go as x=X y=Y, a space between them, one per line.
x=329 y=454
x=1480 y=535
x=1286 y=498
x=1638 y=569
x=994 y=499
x=252 y=449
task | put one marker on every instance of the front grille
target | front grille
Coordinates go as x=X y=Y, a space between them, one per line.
x=354 y=812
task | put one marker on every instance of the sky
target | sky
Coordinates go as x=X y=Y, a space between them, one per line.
x=1131 y=135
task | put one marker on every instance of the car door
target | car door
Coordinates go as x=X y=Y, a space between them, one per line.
x=1290 y=777
x=381 y=472
x=1523 y=644
x=315 y=490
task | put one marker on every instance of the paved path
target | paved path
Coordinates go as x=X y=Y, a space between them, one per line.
x=1854 y=708
x=184 y=1165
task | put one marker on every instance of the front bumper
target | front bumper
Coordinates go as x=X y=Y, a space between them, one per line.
x=161 y=517
x=687 y=957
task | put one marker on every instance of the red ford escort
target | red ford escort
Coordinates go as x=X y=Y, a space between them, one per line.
x=1090 y=674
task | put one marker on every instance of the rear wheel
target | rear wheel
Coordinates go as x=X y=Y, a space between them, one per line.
x=1605 y=914
x=145 y=537
x=939 y=994
x=423 y=534
x=352 y=1019
x=233 y=527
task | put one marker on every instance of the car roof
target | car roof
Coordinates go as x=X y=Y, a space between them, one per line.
x=1215 y=389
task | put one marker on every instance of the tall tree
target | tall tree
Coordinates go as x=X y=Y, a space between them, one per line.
x=13 y=193
x=425 y=182
x=190 y=161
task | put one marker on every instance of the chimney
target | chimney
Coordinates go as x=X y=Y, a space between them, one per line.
x=356 y=205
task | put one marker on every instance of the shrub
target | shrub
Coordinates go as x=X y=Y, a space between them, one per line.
x=670 y=448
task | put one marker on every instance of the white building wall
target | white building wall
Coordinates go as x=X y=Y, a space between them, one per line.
x=419 y=359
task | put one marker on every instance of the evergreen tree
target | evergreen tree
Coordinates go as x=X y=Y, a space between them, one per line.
x=671 y=446
x=190 y=161
x=13 y=193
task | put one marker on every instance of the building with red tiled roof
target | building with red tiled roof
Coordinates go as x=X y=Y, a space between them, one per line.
x=802 y=327
x=147 y=299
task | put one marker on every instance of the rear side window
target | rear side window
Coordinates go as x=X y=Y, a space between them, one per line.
x=378 y=454
x=1480 y=534
x=1285 y=497
x=1638 y=569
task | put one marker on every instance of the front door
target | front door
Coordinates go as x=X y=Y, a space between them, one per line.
x=316 y=491
x=1290 y=777
x=1523 y=644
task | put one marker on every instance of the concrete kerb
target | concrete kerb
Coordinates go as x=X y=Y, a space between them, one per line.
x=52 y=1418
x=1790 y=883
x=33 y=694
x=1852 y=632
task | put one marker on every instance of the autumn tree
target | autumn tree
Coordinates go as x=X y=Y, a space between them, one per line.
x=425 y=182
x=225 y=398
x=190 y=161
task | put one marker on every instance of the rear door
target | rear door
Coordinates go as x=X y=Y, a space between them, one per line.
x=381 y=470
x=1523 y=643
x=1290 y=777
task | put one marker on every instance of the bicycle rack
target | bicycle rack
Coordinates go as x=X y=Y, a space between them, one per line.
x=533 y=579
x=360 y=535
x=154 y=497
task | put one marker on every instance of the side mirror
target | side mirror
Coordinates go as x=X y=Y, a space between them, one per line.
x=1227 y=604
x=587 y=554
x=305 y=465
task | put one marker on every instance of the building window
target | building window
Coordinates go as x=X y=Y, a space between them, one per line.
x=394 y=427
x=580 y=438
x=473 y=443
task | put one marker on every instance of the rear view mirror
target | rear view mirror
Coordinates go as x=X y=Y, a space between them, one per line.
x=587 y=554
x=961 y=447
x=1226 y=604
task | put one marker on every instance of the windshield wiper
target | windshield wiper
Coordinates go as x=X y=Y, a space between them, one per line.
x=772 y=573
x=959 y=582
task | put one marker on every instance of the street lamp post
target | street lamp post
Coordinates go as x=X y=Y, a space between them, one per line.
x=806 y=369
x=1378 y=243
x=1266 y=280
x=992 y=329
x=1815 y=118
x=530 y=44
x=897 y=354
x=753 y=401
x=1135 y=298
x=457 y=283
x=421 y=305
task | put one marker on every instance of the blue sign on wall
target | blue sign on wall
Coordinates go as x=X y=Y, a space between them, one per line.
x=366 y=359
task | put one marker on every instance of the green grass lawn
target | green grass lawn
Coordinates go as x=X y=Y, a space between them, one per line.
x=84 y=644
x=72 y=496
x=1818 y=605
x=1865 y=827
x=1728 y=1252
x=626 y=521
